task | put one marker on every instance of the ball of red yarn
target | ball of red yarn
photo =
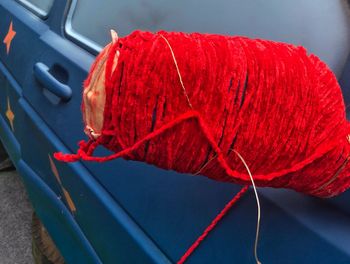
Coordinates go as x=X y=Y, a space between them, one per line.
x=185 y=101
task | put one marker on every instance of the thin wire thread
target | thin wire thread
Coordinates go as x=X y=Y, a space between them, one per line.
x=258 y=206
x=178 y=70
x=256 y=196
x=206 y=164
x=335 y=176
x=239 y=155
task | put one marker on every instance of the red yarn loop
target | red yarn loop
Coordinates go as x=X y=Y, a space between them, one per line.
x=66 y=157
x=179 y=100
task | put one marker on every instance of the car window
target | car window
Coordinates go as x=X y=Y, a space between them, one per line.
x=320 y=26
x=40 y=7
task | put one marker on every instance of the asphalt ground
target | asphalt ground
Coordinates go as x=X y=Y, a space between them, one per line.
x=15 y=221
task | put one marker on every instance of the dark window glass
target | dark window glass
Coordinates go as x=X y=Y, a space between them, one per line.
x=322 y=26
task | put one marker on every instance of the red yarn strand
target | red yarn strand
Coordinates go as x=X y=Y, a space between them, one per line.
x=213 y=224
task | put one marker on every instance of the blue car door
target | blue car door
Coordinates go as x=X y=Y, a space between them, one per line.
x=42 y=75
x=32 y=77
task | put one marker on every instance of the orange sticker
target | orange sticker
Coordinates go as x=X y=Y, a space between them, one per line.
x=9 y=37
x=9 y=114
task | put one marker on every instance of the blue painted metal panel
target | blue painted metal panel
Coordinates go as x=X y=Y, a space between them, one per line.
x=9 y=94
x=23 y=41
x=57 y=219
x=64 y=117
x=174 y=209
x=110 y=230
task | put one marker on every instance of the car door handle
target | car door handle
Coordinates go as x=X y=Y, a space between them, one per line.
x=45 y=78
